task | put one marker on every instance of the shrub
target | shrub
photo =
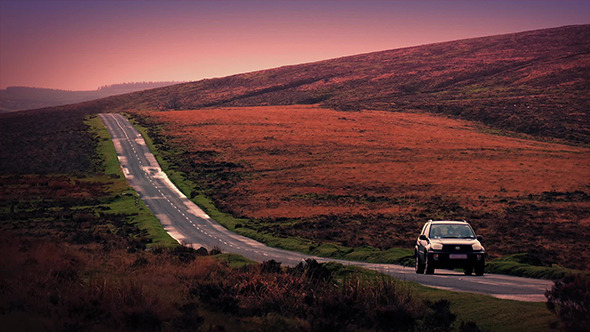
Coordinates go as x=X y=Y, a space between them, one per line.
x=570 y=301
x=202 y=251
x=189 y=320
x=313 y=270
x=215 y=251
x=440 y=318
x=184 y=254
x=270 y=266
x=469 y=327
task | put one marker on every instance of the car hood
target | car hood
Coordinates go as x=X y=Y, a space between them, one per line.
x=454 y=241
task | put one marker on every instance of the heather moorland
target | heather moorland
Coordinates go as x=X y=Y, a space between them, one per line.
x=373 y=178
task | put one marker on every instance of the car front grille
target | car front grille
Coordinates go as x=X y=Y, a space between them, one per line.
x=452 y=248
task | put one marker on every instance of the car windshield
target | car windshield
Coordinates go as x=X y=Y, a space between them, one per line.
x=442 y=231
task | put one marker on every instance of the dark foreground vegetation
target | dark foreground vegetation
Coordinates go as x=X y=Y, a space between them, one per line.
x=569 y=299
x=61 y=287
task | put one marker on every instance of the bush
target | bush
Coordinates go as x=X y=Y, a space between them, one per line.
x=215 y=251
x=189 y=320
x=202 y=251
x=270 y=266
x=440 y=318
x=184 y=254
x=313 y=270
x=469 y=327
x=570 y=301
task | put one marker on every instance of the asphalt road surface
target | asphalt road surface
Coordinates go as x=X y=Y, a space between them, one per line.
x=189 y=225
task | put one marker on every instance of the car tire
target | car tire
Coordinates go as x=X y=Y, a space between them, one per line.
x=429 y=266
x=419 y=265
x=468 y=270
x=479 y=268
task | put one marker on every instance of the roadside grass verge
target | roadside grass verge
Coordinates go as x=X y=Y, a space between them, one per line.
x=493 y=314
x=126 y=200
x=235 y=261
x=105 y=148
x=523 y=265
x=490 y=313
x=323 y=249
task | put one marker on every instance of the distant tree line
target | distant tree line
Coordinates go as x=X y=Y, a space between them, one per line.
x=138 y=85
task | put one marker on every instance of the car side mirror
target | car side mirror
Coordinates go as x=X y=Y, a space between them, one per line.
x=423 y=237
x=479 y=238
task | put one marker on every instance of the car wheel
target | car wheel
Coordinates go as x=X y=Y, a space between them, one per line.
x=468 y=270
x=479 y=268
x=429 y=266
x=419 y=265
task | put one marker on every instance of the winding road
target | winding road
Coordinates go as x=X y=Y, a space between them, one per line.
x=189 y=225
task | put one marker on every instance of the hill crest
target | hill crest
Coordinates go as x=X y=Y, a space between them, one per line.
x=535 y=82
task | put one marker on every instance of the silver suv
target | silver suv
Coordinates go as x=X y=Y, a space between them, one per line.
x=449 y=244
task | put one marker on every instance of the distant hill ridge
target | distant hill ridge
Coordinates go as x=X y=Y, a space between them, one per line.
x=535 y=82
x=137 y=86
x=17 y=98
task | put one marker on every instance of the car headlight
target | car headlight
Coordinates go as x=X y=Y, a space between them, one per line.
x=436 y=246
x=476 y=247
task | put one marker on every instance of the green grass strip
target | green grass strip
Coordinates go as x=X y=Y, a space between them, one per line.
x=493 y=314
x=490 y=314
x=127 y=200
x=517 y=265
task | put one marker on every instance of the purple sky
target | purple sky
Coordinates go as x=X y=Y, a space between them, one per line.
x=80 y=45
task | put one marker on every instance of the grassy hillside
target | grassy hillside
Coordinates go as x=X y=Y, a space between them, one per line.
x=533 y=82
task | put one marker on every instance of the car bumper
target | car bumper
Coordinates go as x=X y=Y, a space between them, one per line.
x=442 y=259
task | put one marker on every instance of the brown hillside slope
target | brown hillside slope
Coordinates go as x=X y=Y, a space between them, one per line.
x=536 y=82
x=372 y=178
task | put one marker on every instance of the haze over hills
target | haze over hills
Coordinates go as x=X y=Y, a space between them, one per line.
x=22 y=98
x=534 y=82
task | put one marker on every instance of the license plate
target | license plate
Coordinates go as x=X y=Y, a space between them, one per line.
x=458 y=256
